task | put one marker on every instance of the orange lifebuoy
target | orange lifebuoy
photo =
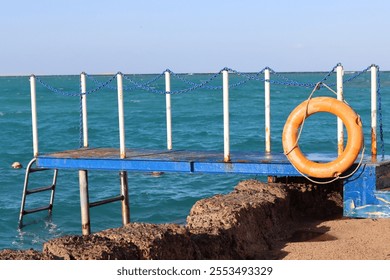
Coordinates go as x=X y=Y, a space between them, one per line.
x=345 y=160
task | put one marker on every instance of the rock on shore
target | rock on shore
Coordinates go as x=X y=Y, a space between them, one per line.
x=244 y=224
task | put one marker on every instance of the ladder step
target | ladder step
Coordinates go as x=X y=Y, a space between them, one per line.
x=105 y=201
x=42 y=189
x=30 y=211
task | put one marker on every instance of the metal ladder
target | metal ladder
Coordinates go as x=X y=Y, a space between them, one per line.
x=30 y=169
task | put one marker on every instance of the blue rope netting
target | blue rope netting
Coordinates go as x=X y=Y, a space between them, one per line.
x=149 y=86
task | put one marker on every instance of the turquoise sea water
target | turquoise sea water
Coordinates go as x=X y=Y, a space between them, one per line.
x=197 y=125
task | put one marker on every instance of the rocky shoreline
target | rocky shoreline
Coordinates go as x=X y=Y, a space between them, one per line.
x=251 y=222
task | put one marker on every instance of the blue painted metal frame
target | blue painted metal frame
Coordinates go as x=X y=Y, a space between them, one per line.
x=169 y=161
x=364 y=192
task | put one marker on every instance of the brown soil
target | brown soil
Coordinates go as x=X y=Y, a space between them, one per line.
x=257 y=220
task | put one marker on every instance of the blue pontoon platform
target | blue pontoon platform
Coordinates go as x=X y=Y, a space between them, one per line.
x=366 y=192
x=169 y=161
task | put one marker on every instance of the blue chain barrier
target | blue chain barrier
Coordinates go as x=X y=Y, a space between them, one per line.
x=146 y=86
x=248 y=77
x=356 y=75
x=68 y=93
x=289 y=82
x=330 y=73
x=259 y=76
x=153 y=90
x=125 y=87
x=193 y=85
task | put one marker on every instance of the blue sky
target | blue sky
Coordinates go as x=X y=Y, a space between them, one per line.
x=68 y=37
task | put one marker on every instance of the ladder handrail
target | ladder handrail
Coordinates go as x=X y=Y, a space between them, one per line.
x=26 y=192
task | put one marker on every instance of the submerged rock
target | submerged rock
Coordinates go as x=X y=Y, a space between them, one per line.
x=17 y=165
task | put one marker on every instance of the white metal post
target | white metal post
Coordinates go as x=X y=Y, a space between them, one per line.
x=168 y=109
x=34 y=115
x=267 y=113
x=374 y=89
x=84 y=109
x=340 y=128
x=226 y=136
x=121 y=116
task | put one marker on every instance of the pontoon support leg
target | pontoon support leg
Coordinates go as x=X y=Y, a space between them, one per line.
x=125 y=197
x=84 y=202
